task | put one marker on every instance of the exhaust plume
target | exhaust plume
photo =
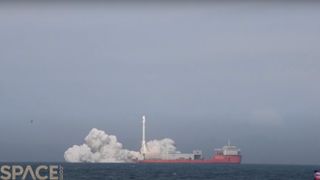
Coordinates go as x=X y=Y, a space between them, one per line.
x=160 y=148
x=99 y=147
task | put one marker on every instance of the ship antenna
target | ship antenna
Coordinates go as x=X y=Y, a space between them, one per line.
x=229 y=144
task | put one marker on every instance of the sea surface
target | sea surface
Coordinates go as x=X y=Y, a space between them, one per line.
x=184 y=171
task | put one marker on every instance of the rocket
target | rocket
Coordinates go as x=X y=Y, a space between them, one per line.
x=143 y=143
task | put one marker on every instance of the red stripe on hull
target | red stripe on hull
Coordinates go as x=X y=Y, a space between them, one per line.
x=219 y=159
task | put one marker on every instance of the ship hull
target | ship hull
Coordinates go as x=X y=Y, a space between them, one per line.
x=215 y=160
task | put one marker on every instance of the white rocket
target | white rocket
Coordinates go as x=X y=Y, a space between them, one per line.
x=143 y=143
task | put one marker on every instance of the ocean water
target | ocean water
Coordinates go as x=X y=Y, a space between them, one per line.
x=120 y=171
x=187 y=172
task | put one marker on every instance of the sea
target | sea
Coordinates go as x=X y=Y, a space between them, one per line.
x=121 y=171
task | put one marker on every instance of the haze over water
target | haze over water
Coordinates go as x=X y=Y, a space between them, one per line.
x=203 y=73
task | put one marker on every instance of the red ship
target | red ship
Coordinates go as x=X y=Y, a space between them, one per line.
x=228 y=154
x=220 y=157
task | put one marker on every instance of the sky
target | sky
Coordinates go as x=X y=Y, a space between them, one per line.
x=202 y=73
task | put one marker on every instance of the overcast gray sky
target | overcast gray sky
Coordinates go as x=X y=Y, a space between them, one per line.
x=202 y=73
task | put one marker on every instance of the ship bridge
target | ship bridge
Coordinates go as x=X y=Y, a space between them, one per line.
x=228 y=150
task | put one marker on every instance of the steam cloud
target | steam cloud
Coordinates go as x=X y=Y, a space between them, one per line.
x=100 y=147
x=159 y=147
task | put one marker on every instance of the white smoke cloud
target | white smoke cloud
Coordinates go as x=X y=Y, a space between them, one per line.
x=161 y=146
x=100 y=147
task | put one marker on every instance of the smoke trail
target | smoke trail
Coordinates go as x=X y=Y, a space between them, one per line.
x=100 y=147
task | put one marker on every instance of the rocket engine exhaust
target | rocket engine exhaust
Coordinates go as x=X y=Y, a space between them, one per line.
x=99 y=147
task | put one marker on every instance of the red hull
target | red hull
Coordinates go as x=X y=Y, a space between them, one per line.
x=218 y=159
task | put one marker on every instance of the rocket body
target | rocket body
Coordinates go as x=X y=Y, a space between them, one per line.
x=143 y=143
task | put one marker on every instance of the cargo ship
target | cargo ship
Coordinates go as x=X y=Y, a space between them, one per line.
x=228 y=154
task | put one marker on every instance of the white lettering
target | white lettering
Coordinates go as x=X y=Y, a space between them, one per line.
x=16 y=171
x=5 y=170
x=28 y=169
x=54 y=172
x=38 y=172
